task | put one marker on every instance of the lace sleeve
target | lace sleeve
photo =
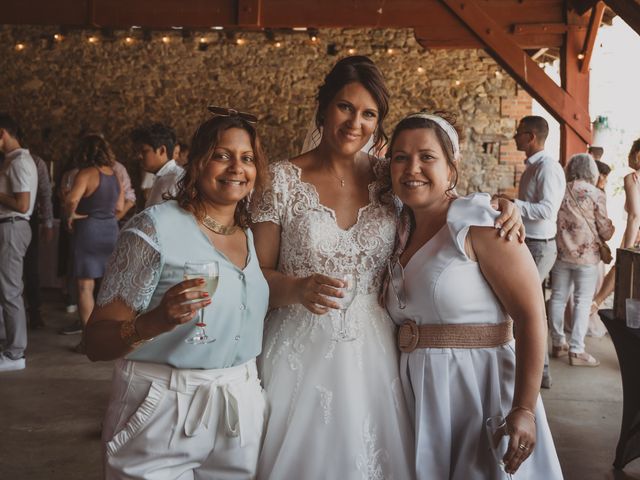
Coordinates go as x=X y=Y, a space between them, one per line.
x=269 y=206
x=134 y=268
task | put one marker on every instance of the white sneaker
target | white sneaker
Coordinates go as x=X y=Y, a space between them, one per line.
x=71 y=308
x=8 y=364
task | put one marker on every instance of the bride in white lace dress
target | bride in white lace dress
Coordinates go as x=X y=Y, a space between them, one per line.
x=337 y=409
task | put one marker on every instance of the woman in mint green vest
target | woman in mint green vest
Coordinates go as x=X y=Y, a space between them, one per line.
x=179 y=409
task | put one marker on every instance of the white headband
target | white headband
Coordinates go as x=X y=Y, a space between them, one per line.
x=446 y=126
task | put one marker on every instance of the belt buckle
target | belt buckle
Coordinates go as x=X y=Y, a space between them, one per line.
x=408 y=336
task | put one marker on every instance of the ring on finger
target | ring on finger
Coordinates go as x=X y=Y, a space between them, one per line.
x=523 y=447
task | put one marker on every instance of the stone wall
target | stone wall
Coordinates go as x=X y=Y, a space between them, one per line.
x=57 y=88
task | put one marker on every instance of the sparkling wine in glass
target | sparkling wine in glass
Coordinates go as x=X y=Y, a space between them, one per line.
x=496 y=428
x=209 y=272
x=349 y=291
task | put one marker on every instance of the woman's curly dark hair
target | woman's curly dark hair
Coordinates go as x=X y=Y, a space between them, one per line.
x=93 y=151
x=203 y=144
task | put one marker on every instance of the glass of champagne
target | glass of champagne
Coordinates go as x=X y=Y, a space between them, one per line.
x=349 y=291
x=209 y=272
x=496 y=428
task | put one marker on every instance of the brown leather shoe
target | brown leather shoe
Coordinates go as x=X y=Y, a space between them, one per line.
x=560 y=350
x=583 y=359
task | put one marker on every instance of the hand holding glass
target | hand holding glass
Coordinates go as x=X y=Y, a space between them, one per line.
x=208 y=271
x=496 y=428
x=349 y=292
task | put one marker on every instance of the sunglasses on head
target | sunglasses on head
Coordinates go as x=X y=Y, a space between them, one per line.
x=230 y=112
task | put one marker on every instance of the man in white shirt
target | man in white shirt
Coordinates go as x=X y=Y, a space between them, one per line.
x=541 y=190
x=18 y=187
x=155 y=145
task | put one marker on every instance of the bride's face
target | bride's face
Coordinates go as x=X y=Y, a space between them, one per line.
x=350 y=119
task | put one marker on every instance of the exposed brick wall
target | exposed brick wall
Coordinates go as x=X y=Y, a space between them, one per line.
x=514 y=108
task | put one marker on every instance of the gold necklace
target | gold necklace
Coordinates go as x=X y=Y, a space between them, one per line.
x=216 y=227
x=340 y=179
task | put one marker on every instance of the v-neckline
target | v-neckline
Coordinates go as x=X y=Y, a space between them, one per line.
x=312 y=188
x=422 y=247
x=221 y=253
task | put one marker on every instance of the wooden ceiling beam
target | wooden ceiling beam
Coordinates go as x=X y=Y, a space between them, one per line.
x=539 y=28
x=249 y=13
x=522 y=68
x=597 y=12
x=628 y=10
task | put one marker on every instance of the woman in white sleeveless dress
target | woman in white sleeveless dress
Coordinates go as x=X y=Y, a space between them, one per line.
x=337 y=408
x=453 y=286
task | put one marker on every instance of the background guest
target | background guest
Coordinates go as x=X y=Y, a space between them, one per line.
x=582 y=224
x=18 y=188
x=632 y=229
x=91 y=207
x=155 y=145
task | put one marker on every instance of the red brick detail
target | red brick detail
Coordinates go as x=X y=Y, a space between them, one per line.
x=514 y=108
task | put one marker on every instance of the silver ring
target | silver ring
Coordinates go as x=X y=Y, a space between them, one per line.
x=523 y=447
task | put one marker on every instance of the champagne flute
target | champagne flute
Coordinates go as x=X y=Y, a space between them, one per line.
x=349 y=291
x=496 y=428
x=209 y=272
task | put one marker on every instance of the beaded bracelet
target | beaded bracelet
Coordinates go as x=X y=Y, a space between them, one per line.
x=129 y=334
x=524 y=409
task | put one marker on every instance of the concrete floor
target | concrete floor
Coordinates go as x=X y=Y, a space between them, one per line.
x=51 y=412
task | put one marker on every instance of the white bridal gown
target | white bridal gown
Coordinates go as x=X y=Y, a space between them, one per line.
x=337 y=408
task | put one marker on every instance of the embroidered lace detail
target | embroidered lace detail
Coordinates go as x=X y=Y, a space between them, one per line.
x=312 y=242
x=370 y=462
x=326 y=396
x=133 y=270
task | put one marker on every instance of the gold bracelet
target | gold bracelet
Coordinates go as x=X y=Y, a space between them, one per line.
x=524 y=409
x=129 y=334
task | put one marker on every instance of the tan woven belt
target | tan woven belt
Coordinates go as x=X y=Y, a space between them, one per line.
x=472 y=335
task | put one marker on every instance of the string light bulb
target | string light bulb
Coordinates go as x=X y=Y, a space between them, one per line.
x=20 y=46
x=390 y=51
x=313 y=38
x=240 y=41
x=278 y=44
x=203 y=40
x=420 y=70
x=351 y=51
x=128 y=40
x=457 y=82
x=92 y=39
x=581 y=56
x=58 y=37
x=165 y=39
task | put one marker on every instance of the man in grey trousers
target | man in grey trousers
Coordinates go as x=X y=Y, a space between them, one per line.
x=18 y=186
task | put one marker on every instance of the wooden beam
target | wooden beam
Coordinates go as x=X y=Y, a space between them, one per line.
x=576 y=83
x=249 y=13
x=524 y=70
x=628 y=10
x=539 y=28
x=597 y=13
x=582 y=6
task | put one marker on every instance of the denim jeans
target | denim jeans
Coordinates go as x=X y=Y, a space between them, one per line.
x=584 y=279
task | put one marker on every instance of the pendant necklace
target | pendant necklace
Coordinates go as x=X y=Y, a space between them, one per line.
x=216 y=227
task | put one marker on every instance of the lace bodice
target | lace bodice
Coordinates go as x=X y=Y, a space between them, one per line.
x=311 y=240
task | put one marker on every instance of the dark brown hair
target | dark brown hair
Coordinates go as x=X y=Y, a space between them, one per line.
x=537 y=125
x=635 y=148
x=356 y=69
x=415 y=123
x=94 y=151
x=203 y=144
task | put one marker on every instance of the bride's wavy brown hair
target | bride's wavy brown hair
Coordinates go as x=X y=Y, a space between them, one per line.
x=203 y=144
